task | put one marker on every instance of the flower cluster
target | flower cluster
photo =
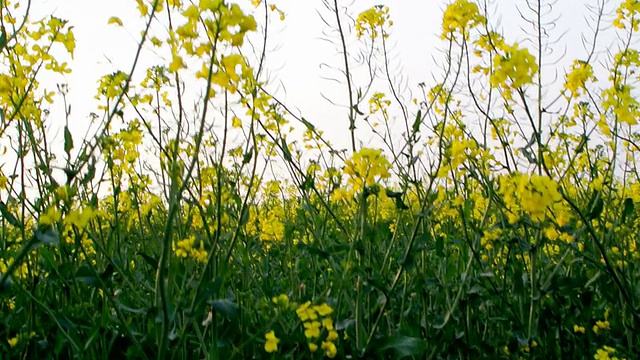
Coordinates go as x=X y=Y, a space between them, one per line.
x=605 y=354
x=366 y=167
x=580 y=73
x=515 y=65
x=271 y=345
x=186 y=248
x=314 y=319
x=14 y=341
x=371 y=20
x=533 y=196
x=460 y=16
x=627 y=15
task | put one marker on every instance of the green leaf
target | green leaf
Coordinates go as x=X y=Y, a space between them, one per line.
x=129 y=309
x=8 y=216
x=244 y=218
x=285 y=150
x=71 y=174
x=416 y=124
x=408 y=262
x=150 y=260
x=596 y=205
x=583 y=141
x=307 y=184
x=317 y=251
x=91 y=172
x=48 y=236
x=440 y=246
x=246 y=158
x=475 y=289
x=225 y=307
x=87 y=275
x=628 y=208
x=107 y=273
x=336 y=249
x=402 y=346
x=400 y=205
x=68 y=140
x=3 y=39
x=378 y=283
x=393 y=194
x=5 y=287
x=308 y=124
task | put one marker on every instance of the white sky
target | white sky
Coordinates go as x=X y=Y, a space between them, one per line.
x=299 y=50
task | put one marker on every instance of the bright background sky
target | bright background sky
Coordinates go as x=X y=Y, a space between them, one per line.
x=298 y=48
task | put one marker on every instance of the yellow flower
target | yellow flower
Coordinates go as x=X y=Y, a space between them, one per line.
x=199 y=254
x=13 y=341
x=580 y=73
x=601 y=325
x=577 y=329
x=329 y=349
x=366 y=166
x=516 y=65
x=305 y=312
x=115 y=20
x=604 y=352
x=313 y=347
x=176 y=64
x=312 y=329
x=80 y=218
x=371 y=20
x=460 y=16
x=50 y=216
x=281 y=300
x=272 y=342
x=327 y=323
x=323 y=309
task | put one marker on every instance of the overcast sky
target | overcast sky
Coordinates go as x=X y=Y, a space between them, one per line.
x=297 y=48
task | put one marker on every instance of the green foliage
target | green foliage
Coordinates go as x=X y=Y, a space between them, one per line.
x=224 y=232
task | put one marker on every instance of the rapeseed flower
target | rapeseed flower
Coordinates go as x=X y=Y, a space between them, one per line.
x=13 y=341
x=329 y=349
x=580 y=73
x=306 y=312
x=323 y=309
x=605 y=354
x=459 y=16
x=601 y=325
x=281 y=300
x=312 y=329
x=272 y=342
x=371 y=20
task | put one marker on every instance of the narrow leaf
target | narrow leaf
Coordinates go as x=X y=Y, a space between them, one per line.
x=402 y=346
x=627 y=211
x=417 y=122
x=3 y=41
x=285 y=150
x=225 y=307
x=68 y=140
x=8 y=216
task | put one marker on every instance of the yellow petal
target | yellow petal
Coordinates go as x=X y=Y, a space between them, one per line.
x=115 y=20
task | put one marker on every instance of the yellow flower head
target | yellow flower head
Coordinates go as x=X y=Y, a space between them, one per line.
x=306 y=312
x=272 y=342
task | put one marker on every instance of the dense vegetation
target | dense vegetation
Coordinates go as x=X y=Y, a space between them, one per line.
x=202 y=218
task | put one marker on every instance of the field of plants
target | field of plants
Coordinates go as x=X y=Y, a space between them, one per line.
x=491 y=212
